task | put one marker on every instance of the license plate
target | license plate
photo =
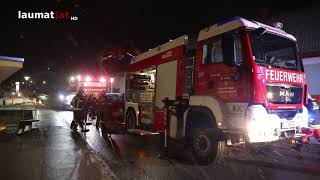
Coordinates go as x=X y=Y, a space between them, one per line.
x=286 y=125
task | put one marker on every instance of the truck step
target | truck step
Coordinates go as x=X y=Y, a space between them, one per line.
x=142 y=132
x=30 y=120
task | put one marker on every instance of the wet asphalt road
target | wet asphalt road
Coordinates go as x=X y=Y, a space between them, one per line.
x=136 y=157
x=50 y=152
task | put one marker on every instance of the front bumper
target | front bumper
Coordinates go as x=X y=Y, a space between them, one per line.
x=297 y=122
x=265 y=127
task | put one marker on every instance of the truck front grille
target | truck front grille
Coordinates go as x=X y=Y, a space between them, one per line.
x=285 y=94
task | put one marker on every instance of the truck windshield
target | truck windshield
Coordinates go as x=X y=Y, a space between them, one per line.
x=275 y=51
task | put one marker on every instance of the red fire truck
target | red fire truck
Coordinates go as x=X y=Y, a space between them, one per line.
x=234 y=82
x=89 y=84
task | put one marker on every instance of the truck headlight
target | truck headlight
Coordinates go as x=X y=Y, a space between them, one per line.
x=61 y=97
x=260 y=128
x=256 y=113
x=269 y=95
x=254 y=127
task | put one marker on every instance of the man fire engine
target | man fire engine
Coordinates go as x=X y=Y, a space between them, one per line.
x=89 y=84
x=234 y=82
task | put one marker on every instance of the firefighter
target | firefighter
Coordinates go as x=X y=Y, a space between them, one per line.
x=86 y=107
x=78 y=113
x=91 y=106
x=99 y=107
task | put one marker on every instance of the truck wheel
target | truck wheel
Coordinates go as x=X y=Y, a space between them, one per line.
x=206 y=148
x=130 y=120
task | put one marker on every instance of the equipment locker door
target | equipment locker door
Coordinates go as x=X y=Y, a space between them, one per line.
x=166 y=80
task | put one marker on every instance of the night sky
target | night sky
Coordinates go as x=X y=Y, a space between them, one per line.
x=107 y=24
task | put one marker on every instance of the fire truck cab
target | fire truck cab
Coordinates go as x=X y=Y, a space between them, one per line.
x=234 y=82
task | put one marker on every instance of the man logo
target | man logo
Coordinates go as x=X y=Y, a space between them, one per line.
x=287 y=94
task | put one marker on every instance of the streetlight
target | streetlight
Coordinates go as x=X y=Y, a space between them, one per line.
x=17 y=87
x=111 y=82
x=43 y=82
x=26 y=78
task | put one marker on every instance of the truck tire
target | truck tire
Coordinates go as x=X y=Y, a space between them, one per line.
x=206 y=147
x=130 y=119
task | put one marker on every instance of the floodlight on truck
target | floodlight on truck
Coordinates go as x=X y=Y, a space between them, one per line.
x=88 y=79
x=103 y=79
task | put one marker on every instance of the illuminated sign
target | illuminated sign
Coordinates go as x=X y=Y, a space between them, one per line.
x=284 y=76
x=17 y=87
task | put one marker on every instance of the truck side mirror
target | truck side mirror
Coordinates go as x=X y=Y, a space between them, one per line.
x=228 y=48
